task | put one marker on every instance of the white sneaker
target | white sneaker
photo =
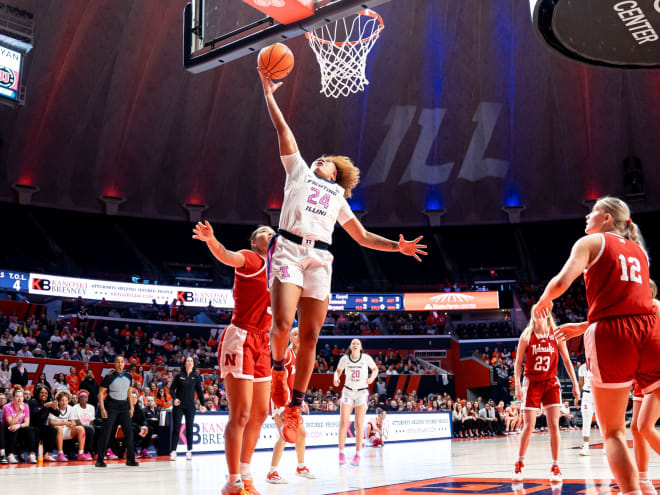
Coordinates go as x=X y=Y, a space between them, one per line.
x=32 y=459
x=585 y=451
x=12 y=459
x=647 y=487
x=276 y=479
x=303 y=472
x=555 y=474
x=517 y=475
x=173 y=455
x=189 y=455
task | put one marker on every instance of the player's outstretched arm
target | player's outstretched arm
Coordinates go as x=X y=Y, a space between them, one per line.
x=204 y=233
x=373 y=241
x=569 y=330
x=288 y=145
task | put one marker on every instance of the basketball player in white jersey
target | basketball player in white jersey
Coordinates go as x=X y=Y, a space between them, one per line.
x=587 y=407
x=361 y=371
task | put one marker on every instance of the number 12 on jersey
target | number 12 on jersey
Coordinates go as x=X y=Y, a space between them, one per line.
x=632 y=274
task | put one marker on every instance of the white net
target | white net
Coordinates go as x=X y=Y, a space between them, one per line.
x=341 y=50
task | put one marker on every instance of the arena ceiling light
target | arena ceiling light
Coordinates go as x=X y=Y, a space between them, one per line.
x=611 y=33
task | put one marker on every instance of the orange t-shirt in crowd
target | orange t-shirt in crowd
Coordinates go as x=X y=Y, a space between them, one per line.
x=73 y=382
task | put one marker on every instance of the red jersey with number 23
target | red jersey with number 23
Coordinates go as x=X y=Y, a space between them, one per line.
x=541 y=358
x=617 y=281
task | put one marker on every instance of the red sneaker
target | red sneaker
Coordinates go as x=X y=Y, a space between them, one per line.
x=555 y=474
x=290 y=420
x=517 y=472
x=280 y=391
x=234 y=490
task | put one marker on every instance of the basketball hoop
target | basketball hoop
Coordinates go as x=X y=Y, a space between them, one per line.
x=343 y=62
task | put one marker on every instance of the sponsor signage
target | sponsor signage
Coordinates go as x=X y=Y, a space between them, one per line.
x=58 y=286
x=322 y=430
x=448 y=301
x=11 y=63
x=54 y=285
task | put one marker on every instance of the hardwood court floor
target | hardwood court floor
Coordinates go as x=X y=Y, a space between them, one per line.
x=449 y=467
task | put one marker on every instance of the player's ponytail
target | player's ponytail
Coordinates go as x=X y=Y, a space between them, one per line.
x=623 y=224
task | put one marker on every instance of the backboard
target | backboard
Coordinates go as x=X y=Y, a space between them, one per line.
x=216 y=32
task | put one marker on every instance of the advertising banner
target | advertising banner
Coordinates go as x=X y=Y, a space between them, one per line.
x=448 y=301
x=322 y=430
x=55 y=285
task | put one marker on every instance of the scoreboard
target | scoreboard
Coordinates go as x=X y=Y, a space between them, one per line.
x=12 y=280
x=365 y=302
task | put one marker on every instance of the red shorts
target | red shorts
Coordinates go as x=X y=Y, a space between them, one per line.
x=620 y=350
x=637 y=392
x=244 y=354
x=546 y=392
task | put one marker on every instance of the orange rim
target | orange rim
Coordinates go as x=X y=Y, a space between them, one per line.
x=375 y=34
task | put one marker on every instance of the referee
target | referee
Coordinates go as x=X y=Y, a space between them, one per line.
x=119 y=410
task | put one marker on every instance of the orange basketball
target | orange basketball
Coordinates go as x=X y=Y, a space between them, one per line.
x=275 y=61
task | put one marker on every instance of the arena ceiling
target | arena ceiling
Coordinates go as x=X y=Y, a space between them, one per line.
x=466 y=111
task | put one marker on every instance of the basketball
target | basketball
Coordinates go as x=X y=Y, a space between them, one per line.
x=275 y=61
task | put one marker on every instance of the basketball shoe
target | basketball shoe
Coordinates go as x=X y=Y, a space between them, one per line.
x=517 y=471
x=647 y=487
x=248 y=485
x=275 y=478
x=555 y=474
x=303 y=472
x=236 y=489
x=342 y=459
x=280 y=393
x=290 y=420
x=585 y=451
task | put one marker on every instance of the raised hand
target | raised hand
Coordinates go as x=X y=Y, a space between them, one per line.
x=412 y=248
x=203 y=231
x=269 y=86
x=542 y=309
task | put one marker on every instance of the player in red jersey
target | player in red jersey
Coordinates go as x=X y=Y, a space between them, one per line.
x=301 y=470
x=375 y=430
x=540 y=349
x=622 y=341
x=244 y=352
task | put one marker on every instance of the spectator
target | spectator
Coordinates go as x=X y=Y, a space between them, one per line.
x=67 y=429
x=152 y=416
x=19 y=375
x=16 y=427
x=40 y=408
x=72 y=380
x=84 y=415
x=90 y=384
x=565 y=416
x=60 y=384
x=5 y=375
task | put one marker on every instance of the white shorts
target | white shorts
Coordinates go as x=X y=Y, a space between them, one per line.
x=67 y=434
x=306 y=267
x=355 y=398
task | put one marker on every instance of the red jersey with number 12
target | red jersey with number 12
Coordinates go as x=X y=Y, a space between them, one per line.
x=541 y=358
x=251 y=295
x=617 y=281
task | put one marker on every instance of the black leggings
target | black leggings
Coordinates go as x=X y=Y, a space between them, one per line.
x=25 y=435
x=177 y=413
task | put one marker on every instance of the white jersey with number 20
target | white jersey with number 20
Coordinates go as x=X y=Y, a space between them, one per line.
x=357 y=372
